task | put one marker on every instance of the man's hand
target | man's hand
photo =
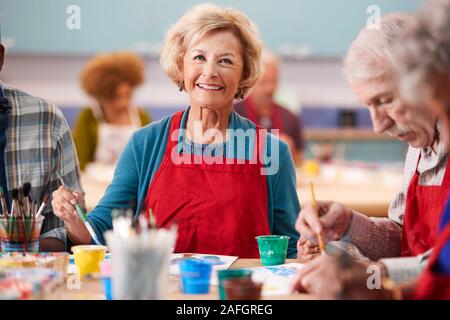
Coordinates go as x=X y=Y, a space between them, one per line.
x=307 y=250
x=333 y=222
x=328 y=277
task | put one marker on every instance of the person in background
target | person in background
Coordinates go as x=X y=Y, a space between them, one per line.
x=423 y=63
x=423 y=60
x=401 y=244
x=261 y=108
x=35 y=142
x=102 y=130
x=192 y=168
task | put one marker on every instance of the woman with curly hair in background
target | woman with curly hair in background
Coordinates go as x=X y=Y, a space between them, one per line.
x=103 y=129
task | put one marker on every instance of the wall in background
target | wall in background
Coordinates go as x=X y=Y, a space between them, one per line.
x=320 y=28
x=310 y=82
x=318 y=85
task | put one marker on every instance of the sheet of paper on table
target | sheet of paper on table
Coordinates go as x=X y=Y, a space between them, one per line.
x=277 y=279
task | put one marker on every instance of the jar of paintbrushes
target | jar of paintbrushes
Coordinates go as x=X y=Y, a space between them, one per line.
x=21 y=222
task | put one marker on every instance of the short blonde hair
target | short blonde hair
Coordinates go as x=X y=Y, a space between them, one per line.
x=371 y=54
x=208 y=18
x=105 y=72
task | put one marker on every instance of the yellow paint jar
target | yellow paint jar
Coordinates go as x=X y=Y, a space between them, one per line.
x=312 y=168
x=88 y=258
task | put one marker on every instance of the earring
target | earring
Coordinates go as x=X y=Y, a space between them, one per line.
x=181 y=86
x=240 y=94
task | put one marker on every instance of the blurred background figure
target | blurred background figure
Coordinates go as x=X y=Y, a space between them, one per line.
x=261 y=108
x=103 y=129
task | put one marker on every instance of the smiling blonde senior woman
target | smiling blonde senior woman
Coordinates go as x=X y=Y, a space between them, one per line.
x=220 y=206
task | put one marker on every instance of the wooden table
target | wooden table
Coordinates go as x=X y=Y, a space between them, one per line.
x=93 y=289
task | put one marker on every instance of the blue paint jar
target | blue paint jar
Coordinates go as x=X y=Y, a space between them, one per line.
x=195 y=276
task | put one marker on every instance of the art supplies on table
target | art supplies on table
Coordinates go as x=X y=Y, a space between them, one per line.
x=195 y=276
x=272 y=249
x=276 y=280
x=140 y=257
x=20 y=227
x=88 y=259
x=218 y=262
x=56 y=261
x=28 y=283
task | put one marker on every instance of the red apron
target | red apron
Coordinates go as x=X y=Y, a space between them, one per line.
x=424 y=206
x=219 y=208
x=432 y=285
x=276 y=117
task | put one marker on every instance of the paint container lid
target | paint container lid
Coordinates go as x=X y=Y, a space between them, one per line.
x=106 y=269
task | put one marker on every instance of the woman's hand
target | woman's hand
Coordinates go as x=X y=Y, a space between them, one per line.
x=63 y=204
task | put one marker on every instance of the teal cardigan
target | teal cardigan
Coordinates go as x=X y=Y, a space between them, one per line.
x=143 y=155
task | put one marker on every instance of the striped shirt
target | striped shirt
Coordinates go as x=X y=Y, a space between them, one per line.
x=38 y=143
x=381 y=238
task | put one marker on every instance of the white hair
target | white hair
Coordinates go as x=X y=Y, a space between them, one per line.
x=370 y=55
x=424 y=51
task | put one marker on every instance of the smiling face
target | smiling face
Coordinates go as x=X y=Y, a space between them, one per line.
x=413 y=125
x=212 y=70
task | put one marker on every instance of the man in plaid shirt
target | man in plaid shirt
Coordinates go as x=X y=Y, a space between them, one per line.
x=401 y=243
x=35 y=142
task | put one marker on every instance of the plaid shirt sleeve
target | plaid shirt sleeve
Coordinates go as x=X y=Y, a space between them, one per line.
x=64 y=160
x=402 y=270
x=38 y=143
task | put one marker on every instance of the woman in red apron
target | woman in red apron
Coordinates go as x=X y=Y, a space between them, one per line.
x=215 y=205
x=218 y=205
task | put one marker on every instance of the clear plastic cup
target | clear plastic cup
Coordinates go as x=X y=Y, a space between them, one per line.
x=20 y=235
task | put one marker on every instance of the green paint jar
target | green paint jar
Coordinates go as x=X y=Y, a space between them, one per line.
x=272 y=249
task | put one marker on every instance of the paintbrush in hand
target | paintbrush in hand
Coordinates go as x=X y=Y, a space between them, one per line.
x=314 y=204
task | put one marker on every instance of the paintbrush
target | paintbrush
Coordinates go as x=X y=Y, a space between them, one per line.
x=26 y=199
x=152 y=219
x=15 y=211
x=5 y=212
x=314 y=204
x=81 y=213
x=42 y=207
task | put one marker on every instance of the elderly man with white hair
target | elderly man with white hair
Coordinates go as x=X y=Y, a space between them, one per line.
x=402 y=242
